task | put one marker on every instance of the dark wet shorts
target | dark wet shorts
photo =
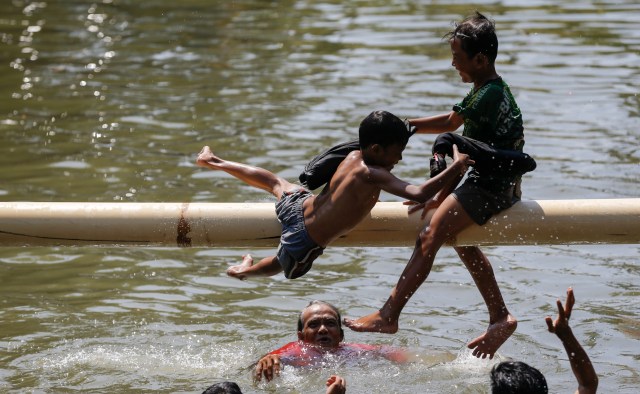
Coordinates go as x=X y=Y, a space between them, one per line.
x=297 y=250
x=481 y=203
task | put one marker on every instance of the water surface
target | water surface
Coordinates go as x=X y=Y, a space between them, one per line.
x=110 y=101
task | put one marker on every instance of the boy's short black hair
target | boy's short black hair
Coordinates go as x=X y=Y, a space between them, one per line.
x=477 y=34
x=223 y=388
x=383 y=128
x=516 y=377
x=318 y=302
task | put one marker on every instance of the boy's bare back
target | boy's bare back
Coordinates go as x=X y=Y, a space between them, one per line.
x=355 y=187
x=346 y=200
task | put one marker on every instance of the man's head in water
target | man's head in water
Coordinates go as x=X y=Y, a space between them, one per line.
x=320 y=324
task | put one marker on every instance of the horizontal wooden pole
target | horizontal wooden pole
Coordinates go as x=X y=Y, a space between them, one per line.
x=544 y=222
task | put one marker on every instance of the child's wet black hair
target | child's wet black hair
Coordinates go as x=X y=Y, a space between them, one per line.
x=226 y=387
x=477 y=34
x=517 y=377
x=383 y=128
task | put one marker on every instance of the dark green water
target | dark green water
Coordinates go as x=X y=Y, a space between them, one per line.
x=110 y=101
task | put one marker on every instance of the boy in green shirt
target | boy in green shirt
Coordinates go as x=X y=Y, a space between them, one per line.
x=490 y=117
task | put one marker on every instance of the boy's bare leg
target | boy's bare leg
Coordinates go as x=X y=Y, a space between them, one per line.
x=268 y=266
x=501 y=323
x=254 y=176
x=448 y=220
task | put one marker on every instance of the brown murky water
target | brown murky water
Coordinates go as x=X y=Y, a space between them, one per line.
x=111 y=100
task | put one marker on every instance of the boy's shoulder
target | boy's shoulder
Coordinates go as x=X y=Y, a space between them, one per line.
x=495 y=86
x=353 y=163
x=489 y=95
x=355 y=168
x=322 y=167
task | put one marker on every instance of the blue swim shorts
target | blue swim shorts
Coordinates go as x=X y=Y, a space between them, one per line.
x=297 y=250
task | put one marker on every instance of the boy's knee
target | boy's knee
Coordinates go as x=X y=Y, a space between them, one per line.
x=426 y=236
x=432 y=238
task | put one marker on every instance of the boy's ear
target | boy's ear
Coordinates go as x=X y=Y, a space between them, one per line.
x=376 y=148
x=481 y=59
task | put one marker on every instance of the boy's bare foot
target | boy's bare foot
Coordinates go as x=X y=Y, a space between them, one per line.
x=238 y=271
x=488 y=343
x=206 y=157
x=372 y=323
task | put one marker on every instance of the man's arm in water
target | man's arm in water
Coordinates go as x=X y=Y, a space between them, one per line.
x=268 y=366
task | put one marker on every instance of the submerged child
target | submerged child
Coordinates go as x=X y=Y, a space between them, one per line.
x=490 y=115
x=311 y=222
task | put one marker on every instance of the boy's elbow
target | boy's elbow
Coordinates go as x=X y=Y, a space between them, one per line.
x=451 y=127
x=454 y=121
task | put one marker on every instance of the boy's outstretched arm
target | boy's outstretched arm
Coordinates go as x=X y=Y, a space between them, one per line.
x=580 y=363
x=445 y=182
x=433 y=203
x=453 y=182
x=438 y=123
x=388 y=182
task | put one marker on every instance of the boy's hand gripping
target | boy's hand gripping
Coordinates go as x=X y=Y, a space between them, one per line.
x=462 y=158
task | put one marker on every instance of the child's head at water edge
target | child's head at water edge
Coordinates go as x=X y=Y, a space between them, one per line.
x=517 y=377
x=226 y=387
x=383 y=136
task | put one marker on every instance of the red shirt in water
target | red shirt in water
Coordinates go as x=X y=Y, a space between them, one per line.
x=300 y=353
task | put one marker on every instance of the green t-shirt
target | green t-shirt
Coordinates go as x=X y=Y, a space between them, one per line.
x=492 y=116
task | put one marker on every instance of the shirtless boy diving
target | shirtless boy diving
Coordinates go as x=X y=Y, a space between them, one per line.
x=311 y=222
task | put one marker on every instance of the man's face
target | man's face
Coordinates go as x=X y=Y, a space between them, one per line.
x=320 y=327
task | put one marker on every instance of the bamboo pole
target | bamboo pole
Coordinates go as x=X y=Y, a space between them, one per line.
x=544 y=222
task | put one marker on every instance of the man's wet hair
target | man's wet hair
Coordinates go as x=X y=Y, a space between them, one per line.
x=223 y=388
x=516 y=377
x=383 y=128
x=477 y=34
x=318 y=302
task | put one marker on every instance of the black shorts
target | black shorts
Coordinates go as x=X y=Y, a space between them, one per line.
x=507 y=163
x=481 y=203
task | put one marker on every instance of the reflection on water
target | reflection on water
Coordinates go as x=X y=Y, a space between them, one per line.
x=111 y=100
